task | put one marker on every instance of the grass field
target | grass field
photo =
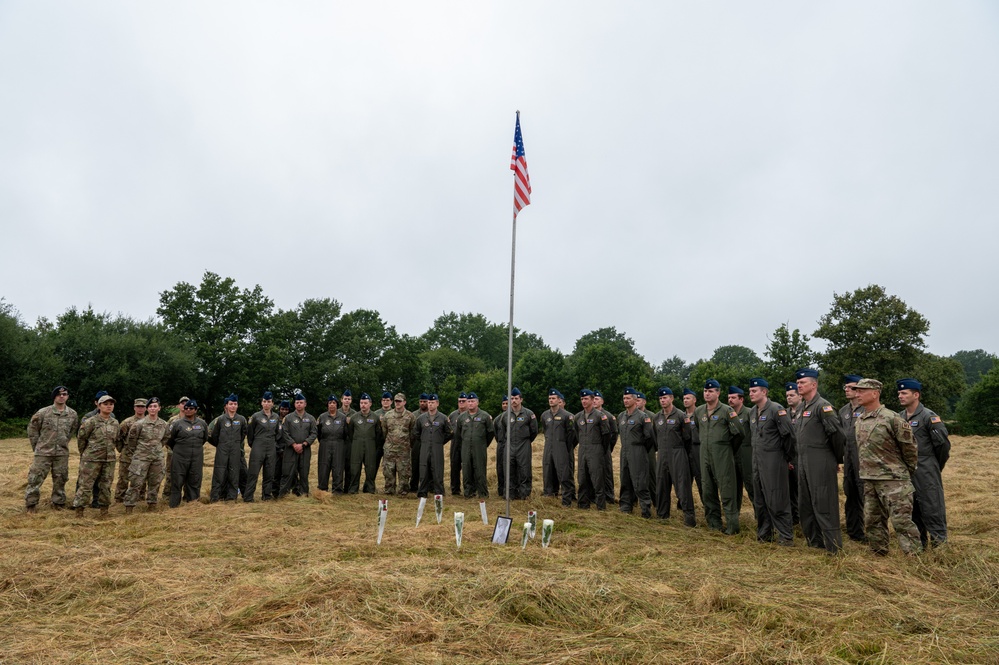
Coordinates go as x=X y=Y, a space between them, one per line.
x=302 y=581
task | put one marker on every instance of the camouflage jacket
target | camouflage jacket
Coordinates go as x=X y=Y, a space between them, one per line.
x=886 y=446
x=123 y=428
x=147 y=438
x=398 y=430
x=96 y=439
x=50 y=430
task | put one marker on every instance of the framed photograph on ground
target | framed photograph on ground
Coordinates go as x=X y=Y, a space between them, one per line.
x=501 y=532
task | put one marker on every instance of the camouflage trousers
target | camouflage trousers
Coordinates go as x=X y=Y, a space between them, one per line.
x=886 y=500
x=124 y=462
x=41 y=466
x=144 y=477
x=90 y=471
x=397 y=462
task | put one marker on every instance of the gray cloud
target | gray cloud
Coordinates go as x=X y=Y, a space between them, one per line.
x=753 y=159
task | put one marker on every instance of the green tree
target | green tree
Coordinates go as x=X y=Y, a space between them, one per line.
x=608 y=337
x=536 y=371
x=787 y=352
x=976 y=364
x=221 y=324
x=127 y=358
x=943 y=382
x=873 y=334
x=473 y=335
x=734 y=355
x=610 y=367
x=978 y=409
x=28 y=367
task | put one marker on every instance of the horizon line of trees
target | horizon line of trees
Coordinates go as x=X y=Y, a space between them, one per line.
x=215 y=338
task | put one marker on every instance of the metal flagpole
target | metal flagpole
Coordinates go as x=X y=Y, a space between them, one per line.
x=509 y=359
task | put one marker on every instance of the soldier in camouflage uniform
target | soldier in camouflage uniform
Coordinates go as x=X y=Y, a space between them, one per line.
x=125 y=450
x=398 y=427
x=888 y=457
x=49 y=431
x=96 y=442
x=147 y=438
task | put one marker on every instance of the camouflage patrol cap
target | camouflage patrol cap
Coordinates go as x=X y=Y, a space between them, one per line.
x=139 y=402
x=402 y=396
x=105 y=398
x=868 y=384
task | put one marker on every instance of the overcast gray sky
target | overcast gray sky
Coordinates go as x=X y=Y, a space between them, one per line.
x=750 y=158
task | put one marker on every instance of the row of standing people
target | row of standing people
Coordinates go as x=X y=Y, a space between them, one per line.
x=661 y=454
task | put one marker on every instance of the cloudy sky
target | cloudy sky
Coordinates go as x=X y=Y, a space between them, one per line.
x=748 y=160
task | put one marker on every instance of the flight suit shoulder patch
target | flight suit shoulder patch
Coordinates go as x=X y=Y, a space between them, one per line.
x=733 y=414
x=935 y=419
x=827 y=409
x=782 y=412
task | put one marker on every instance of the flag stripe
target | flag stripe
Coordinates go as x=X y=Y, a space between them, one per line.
x=521 y=178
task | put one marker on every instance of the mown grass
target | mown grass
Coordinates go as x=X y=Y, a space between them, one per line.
x=302 y=580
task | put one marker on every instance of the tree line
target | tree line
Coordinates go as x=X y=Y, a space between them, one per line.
x=216 y=338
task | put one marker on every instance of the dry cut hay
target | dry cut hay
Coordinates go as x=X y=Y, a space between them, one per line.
x=302 y=580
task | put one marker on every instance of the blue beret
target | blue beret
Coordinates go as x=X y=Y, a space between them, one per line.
x=712 y=383
x=462 y=395
x=791 y=386
x=346 y=392
x=597 y=393
x=806 y=373
x=553 y=391
x=267 y=395
x=386 y=395
x=586 y=392
x=758 y=383
x=424 y=396
x=736 y=390
x=851 y=378
x=333 y=398
x=191 y=403
x=433 y=397
x=230 y=398
x=100 y=394
x=688 y=391
x=57 y=390
x=515 y=392
x=285 y=404
x=299 y=396
x=665 y=391
x=471 y=396
x=630 y=391
x=365 y=396
x=909 y=384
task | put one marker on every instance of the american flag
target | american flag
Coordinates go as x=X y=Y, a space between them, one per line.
x=521 y=179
